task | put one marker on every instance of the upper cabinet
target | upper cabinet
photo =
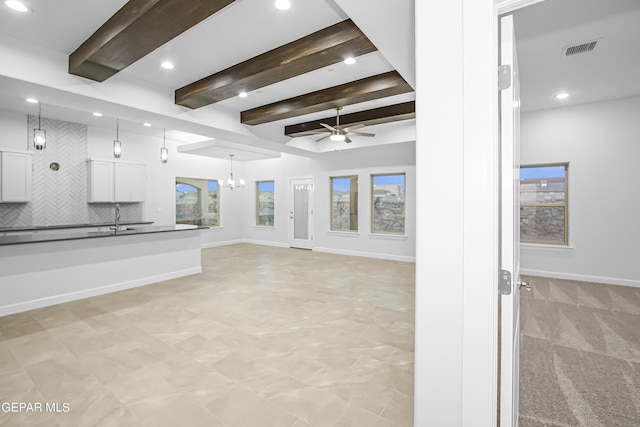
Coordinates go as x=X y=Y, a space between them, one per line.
x=129 y=182
x=110 y=182
x=15 y=177
x=100 y=181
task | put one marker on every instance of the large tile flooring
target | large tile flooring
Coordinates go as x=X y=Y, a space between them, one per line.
x=264 y=337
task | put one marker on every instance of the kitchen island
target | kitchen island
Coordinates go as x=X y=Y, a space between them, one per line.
x=42 y=269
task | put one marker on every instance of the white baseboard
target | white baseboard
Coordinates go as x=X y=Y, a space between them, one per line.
x=581 y=277
x=87 y=293
x=225 y=243
x=366 y=254
x=267 y=243
x=317 y=249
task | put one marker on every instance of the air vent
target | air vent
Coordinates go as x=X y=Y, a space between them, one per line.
x=580 y=48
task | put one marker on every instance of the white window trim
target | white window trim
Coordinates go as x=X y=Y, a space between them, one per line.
x=343 y=233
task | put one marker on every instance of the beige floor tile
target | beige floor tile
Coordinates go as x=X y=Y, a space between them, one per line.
x=263 y=337
x=114 y=367
x=252 y=411
x=241 y=368
x=61 y=379
x=38 y=348
x=358 y=417
x=176 y=411
x=399 y=410
x=316 y=407
x=369 y=396
x=8 y=363
x=18 y=325
x=52 y=317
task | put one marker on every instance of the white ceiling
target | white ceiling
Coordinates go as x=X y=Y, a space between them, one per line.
x=37 y=45
x=610 y=71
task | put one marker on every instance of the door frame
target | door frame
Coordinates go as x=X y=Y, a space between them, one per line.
x=457 y=133
x=311 y=211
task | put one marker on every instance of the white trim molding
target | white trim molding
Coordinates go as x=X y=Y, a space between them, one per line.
x=581 y=277
x=366 y=254
x=506 y=6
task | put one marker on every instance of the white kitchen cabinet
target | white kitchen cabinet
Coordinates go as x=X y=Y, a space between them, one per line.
x=100 y=181
x=129 y=182
x=115 y=182
x=15 y=177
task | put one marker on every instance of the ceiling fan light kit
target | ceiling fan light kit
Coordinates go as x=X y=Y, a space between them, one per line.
x=338 y=133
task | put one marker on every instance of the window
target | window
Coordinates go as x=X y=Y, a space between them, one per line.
x=197 y=202
x=543 y=204
x=387 y=203
x=344 y=203
x=264 y=203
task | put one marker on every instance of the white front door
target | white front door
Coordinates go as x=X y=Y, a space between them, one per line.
x=509 y=225
x=301 y=213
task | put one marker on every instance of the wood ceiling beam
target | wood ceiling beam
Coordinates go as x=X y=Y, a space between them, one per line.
x=328 y=46
x=138 y=28
x=375 y=116
x=367 y=89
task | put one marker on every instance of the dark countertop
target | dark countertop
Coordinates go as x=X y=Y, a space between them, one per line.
x=78 y=235
x=62 y=227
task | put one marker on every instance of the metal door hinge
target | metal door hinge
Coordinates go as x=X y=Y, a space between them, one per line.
x=504 y=77
x=504 y=283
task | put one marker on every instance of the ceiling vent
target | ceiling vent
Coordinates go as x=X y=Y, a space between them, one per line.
x=579 y=48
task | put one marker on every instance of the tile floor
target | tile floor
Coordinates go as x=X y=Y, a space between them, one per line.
x=264 y=337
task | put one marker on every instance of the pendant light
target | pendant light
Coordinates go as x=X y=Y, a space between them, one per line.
x=39 y=135
x=164 y=152
x=117 y=145
x=231 y=183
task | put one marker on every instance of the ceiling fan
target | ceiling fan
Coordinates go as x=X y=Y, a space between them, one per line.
x=339 y=133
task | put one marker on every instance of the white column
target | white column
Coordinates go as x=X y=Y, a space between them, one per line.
x=456 y=162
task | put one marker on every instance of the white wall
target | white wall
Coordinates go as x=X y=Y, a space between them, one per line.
x=601 y=143
x=237 y=214
x=399 y=158
x=14 y=128
x=159 y=206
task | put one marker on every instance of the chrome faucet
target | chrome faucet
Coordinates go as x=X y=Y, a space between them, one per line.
x=117 y=221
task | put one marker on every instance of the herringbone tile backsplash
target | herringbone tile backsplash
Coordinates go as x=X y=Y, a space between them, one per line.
x=60 y=197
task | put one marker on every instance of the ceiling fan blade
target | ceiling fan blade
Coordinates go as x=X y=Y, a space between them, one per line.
x=328 y=127
x=362 y=133
x=354 y=127
x=323 y=138
x=310 y=132
x=346 y=139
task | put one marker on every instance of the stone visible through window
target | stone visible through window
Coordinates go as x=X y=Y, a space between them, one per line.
x=264 y=203
x=344 y=203
x=197 y=202
x=388 y=204
x=543 y=204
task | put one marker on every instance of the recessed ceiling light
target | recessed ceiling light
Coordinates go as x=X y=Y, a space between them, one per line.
x=32 y=100
x=147 y=125
x=563 y=95
x=243 y=94
x=350 y=60
x=282 y=4
x=17 y=6
x=167 y=65
x=97 y=114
